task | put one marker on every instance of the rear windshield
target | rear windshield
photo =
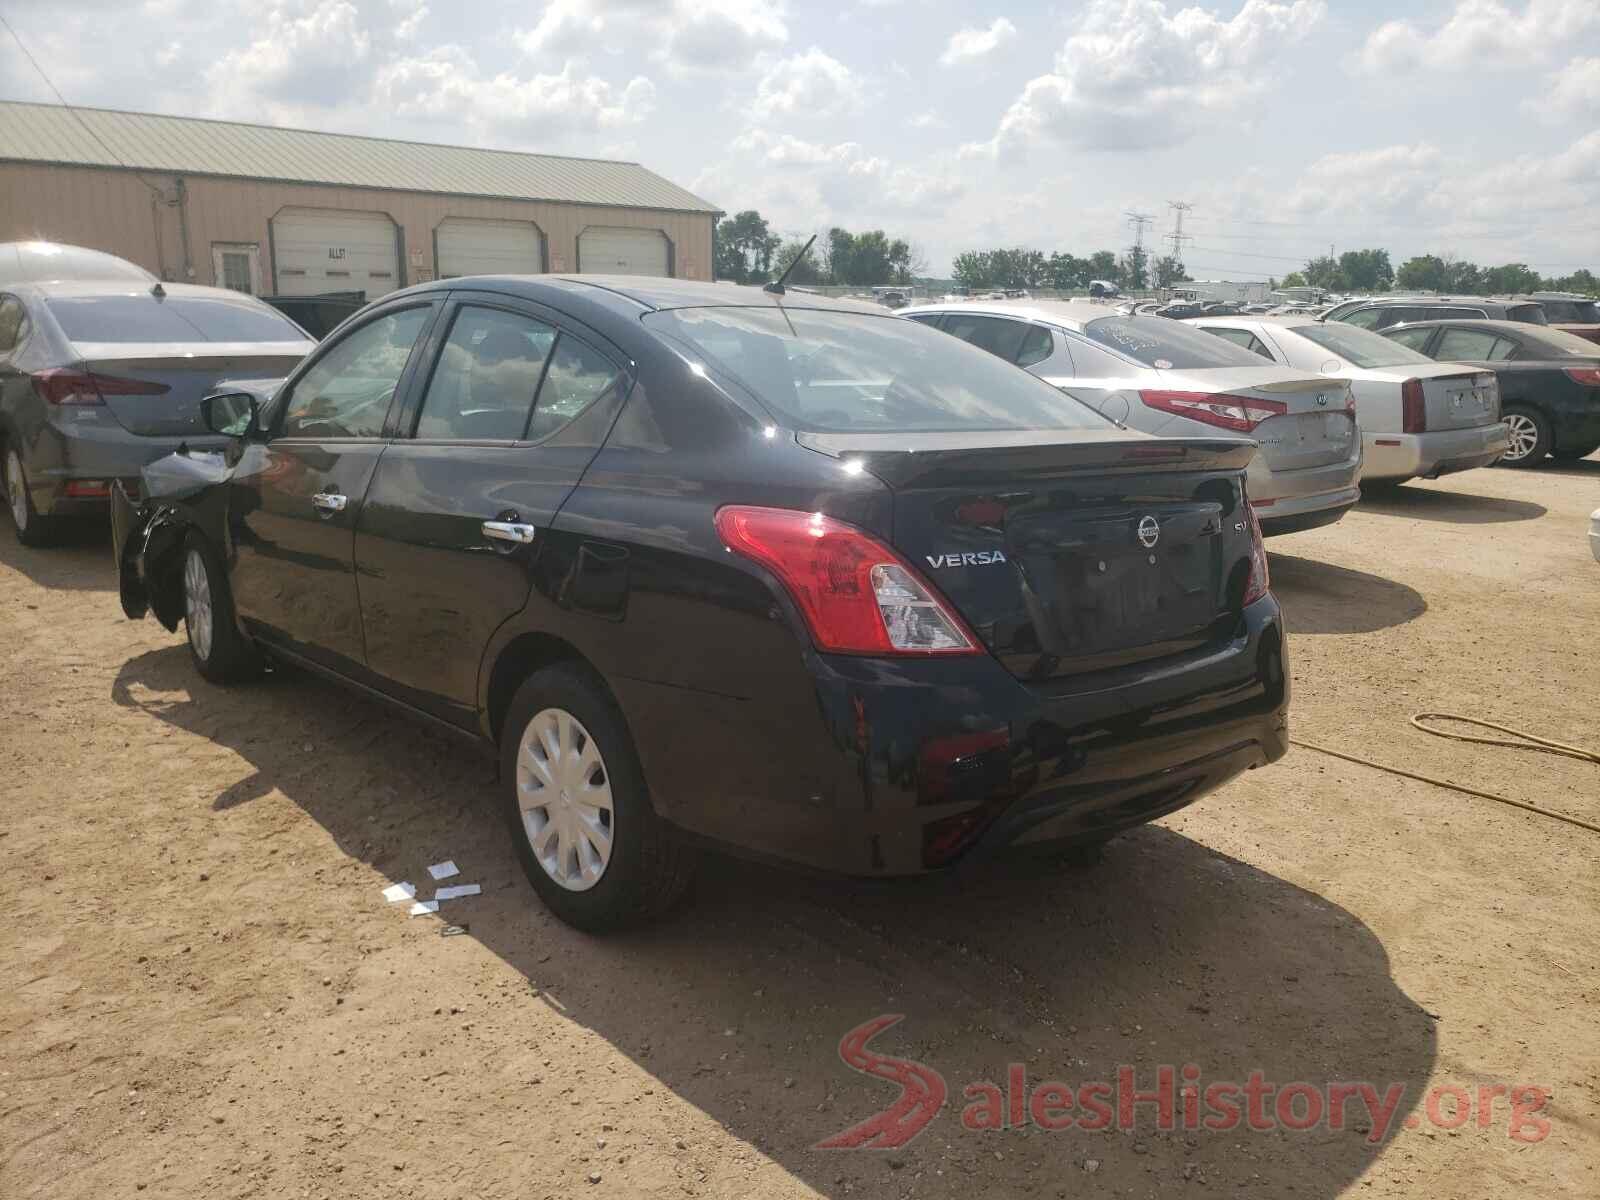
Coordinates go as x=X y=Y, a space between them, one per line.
x=1359 y=346
x=1166 y=344
x=1557 y=343
x=1528 y=314
x=141 y=317
x=1571 y=312
x=853 y=372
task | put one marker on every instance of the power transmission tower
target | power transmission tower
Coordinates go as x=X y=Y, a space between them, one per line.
x=1136 y=256
x=1178 y=237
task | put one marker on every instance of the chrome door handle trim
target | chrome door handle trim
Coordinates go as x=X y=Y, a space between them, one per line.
x=508 y=531
x=330 y=502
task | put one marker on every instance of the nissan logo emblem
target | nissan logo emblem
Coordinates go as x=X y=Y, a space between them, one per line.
x=1149 y=532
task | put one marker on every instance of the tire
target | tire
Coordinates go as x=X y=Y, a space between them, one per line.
x=643 y=869
x=1530 y=436
x=1573 y=454
x=219 y=651
x=32 y=529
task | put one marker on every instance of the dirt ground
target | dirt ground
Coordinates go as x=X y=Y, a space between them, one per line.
x=205 y=994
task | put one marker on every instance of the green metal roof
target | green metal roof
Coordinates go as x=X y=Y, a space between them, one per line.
x=49 y=133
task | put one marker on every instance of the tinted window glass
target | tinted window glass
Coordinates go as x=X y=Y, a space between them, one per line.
x=1360 y=347
x=1473 y=345
x=1037 y=345
x=1162 y=343
x=924 y=318
x=1242 y=338
x=1415 y=339
x=488 y=371
x=1364 y=318
x=1571 y=312
x=1454 y=314
x=10 y=323
x=346 y=393
x=998 y=336
x=1398 y=315
x=1531 y=314
x=142 y=317
x=845 y=371
x=578 y=376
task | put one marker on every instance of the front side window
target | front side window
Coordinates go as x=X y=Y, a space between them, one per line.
x=1468 y=345
x=486 y=377
x=853 y=372
x=1360 y=347
x=346 y=392
x=1166 y=344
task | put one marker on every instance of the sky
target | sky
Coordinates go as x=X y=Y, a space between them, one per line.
x=1291 y=127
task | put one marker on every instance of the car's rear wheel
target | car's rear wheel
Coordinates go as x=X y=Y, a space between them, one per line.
x=1530 y=436
x=32 y=529
x=220 y=652
x=578 y=809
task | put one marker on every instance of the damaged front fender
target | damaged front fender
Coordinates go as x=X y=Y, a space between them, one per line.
x=183 y=491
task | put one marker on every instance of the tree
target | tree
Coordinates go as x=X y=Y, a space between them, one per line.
x=1292 y=279
x=974 y=268
x=1366 y=270
x=1324 y=273
x=1425 y=272
x=1169 y=270
x=1512 y=278
x=1134 y=270
x=745 y=246
x=809 y=271
x=1066 y=272
x=1103 y=265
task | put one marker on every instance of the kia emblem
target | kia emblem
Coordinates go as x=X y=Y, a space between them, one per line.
x=1149 y=532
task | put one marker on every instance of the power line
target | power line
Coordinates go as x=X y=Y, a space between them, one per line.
x=74 y=113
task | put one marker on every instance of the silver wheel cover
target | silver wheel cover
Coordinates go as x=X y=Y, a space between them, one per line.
x=197 y=612
x=564 y=794
x=16 y=490
x=1524 y=437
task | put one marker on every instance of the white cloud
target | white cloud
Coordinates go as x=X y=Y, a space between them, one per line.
x=446 y=85
x=926 y=120
x=811 y=85
x=406 y=30
x=968 y=45
x=314 y=59
x=1136 y=76
x=1480 y=35
x=1574 y=93
x=684 y=36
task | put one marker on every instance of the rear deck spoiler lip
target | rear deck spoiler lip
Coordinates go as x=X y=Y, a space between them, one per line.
x=901 y=459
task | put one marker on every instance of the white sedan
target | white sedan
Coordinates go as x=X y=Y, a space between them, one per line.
x=1418 y=417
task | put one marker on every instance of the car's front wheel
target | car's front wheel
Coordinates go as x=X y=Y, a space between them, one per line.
x=220 y=652
x=32 y=529
x=576 y=803
x=1530 y=436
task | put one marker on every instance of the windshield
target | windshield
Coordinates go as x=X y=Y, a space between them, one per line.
x=853 y=372
x=1571 y=312
x=141 y=317
x=1166 y=344
x=1359 y=346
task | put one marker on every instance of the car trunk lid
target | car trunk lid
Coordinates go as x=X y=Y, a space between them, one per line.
x=1317 y=428
x=155 y=390
x=1073 y=553
x=1462 y=400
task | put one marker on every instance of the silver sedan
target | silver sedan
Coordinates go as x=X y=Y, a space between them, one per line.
x=1167 y=378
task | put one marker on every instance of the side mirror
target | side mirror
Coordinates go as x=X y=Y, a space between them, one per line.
x=231 y=413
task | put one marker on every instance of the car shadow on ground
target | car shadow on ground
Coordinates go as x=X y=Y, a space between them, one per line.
x=1166 y=952
x=1575 y=466
x=1318 y=597
x=79 y=560
x=1457 y=508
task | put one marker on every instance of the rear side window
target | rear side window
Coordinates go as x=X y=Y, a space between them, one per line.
x=577 y=377
x=11 y=323
x=141 y=317
x=1414 y=339
x=1037 y=345
x=1528 y=314
x=1000 y=337
x=484 y=383
x=1242 y=338
x=1363 y=318
x=853 y=372
x=1400 y=315
x=924 y=318
x=1165 y=344
x=1473 y=345
x=1571 y=312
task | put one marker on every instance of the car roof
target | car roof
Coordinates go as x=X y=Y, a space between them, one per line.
x=1486 y=323
x=647 y=292
x=1074 y=313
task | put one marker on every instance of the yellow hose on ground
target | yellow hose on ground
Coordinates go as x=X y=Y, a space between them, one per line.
x=1527 y=741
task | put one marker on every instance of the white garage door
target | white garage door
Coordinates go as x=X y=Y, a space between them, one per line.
x=472 y=247
x=317 y=250
x=607 y=251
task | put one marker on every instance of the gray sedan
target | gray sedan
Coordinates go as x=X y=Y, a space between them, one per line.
x=1164 y=377
x=98 y=379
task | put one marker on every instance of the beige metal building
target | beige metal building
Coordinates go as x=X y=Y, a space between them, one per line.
x=292 y=212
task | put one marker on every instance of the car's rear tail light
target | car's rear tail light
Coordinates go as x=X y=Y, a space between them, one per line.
x=59 y=385
x=1587 y=376
x=1239 y=413
x=1258 y=581
x=1413 y=408
x=87 y=489
x=857 y=596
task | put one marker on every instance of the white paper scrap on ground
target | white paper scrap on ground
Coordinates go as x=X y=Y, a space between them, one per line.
x=443 y=870
x=397 y=892
x=461 y=889
x=423 y=907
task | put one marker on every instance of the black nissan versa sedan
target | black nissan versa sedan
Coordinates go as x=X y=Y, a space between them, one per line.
x=720 y=566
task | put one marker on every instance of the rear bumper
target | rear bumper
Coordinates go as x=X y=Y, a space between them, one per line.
x=95 y=450
x=1295 y=492
x=1409 y=455
x=1296 y=516
x=898 y=767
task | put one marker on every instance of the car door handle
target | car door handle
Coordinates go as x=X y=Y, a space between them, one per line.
x=330 y=502
x=508 y=531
